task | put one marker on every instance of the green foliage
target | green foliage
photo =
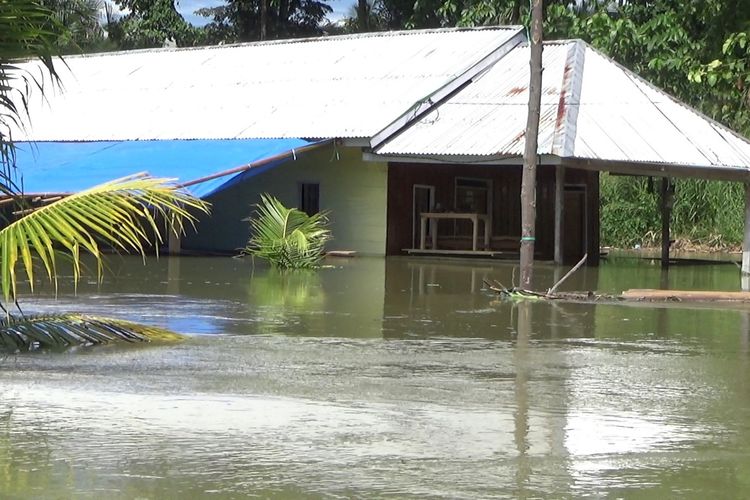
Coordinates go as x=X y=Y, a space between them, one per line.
x=151 y=23
x=121 y=212
x=27 y=30
x=287 y=237
x=57 y=332
x=82 y=30
x=240 y=20
x=628 y=211
x=707 y=213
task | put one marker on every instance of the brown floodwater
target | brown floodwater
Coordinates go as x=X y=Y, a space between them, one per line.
x=375 y=378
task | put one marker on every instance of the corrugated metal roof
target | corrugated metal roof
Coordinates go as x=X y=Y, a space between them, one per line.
x=592 y=108
x=348 y=86
x=208 y=166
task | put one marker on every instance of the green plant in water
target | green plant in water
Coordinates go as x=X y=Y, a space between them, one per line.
x=121 y=213
x=288 y=238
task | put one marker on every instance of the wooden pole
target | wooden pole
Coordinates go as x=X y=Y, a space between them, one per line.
x=666 y=213
x=528 y=180
x=263 y=19
x=559 y=213
x=746 y=242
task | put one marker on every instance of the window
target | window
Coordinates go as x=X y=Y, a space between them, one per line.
x=309 y=198
x=473 y=195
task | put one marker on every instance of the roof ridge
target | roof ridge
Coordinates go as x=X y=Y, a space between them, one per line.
x=438 y=96
x=563 y=143
x=291 y=41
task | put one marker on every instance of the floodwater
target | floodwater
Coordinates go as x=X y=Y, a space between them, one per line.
x=382 y=378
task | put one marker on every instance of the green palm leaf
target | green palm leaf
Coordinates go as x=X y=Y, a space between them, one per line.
x=122 y=213
x=65 y=330
x=287 y=237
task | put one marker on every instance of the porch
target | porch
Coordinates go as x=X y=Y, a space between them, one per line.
x=466 y=210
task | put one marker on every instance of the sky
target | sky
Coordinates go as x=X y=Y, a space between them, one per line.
x=187 y=8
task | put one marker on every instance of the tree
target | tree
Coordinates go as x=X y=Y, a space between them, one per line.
x=240 y=20
x=82 y=28
x=121 y=213
x=149 y=24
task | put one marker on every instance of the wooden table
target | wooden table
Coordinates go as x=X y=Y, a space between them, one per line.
x=437 y=216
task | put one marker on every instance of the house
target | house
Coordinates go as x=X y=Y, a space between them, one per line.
x=412 y=139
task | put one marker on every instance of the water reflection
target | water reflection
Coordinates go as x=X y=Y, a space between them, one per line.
x=382 y=378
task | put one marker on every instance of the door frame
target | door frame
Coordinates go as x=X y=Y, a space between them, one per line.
x=415 y=224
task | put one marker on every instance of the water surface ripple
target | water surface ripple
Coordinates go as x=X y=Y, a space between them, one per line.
x=380 y=378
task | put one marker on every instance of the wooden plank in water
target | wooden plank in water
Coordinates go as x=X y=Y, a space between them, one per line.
x=468 y=253
x=685 y=295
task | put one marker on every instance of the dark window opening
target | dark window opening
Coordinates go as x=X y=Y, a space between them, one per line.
x=309 y=198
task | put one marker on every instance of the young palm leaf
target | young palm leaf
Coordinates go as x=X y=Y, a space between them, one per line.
x=287 y=237
x=121 y=213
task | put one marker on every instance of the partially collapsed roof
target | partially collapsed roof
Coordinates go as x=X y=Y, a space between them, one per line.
x=331 y=87
x=594 y=114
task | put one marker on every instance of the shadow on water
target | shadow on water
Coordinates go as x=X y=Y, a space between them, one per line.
x=382 y=378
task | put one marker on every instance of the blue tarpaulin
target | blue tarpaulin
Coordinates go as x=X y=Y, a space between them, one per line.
x=69 y=167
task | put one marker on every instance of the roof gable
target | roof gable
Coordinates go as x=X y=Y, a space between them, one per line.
x=592 y=108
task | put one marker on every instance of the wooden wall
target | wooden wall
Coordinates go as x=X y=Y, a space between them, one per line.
x=506 y=204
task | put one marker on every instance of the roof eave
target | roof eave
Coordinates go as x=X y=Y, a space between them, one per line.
x=646 y=169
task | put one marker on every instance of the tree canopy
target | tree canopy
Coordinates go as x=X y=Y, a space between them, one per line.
x=249 y=20
x=150 y=23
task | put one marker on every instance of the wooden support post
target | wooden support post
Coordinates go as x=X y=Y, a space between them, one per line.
x=666 y=215
x=746 y=241
x=559 y=212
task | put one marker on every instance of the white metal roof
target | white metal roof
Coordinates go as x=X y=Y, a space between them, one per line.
x=347 y=86
x=592 y=109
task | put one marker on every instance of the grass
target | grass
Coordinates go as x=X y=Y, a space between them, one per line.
x=708 y=214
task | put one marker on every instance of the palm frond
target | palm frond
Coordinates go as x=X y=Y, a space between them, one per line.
x=28 y=30
x=121 y=213
x=287 y=237
x=61 y=331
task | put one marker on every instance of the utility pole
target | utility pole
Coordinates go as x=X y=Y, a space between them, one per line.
x=528 y=180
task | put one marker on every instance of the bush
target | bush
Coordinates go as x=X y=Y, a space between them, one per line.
x=705 y=212
x=287 y=237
